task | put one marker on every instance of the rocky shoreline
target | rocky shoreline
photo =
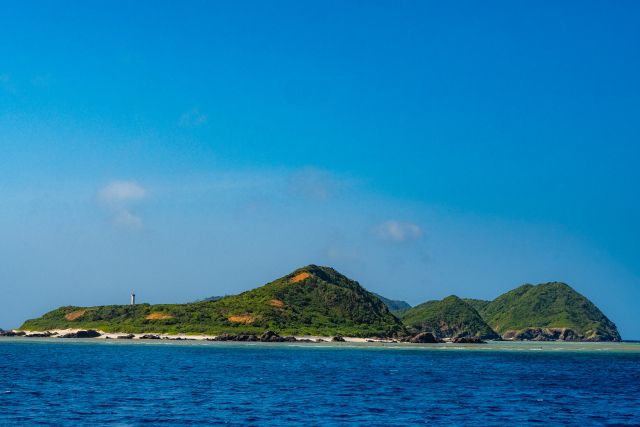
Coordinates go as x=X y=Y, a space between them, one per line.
x=529 y=334
x=552 y=334
x=266 y=337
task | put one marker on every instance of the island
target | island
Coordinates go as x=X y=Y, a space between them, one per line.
x=315 y=303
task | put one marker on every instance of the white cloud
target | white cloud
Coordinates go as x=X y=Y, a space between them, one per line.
x=117 y=197
x=398 y=231
x=193 y=118
x=121 y=192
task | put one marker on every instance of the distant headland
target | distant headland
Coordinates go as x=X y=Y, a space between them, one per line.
x=315 y=302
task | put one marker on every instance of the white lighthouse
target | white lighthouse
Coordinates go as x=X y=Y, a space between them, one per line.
x=133 y=298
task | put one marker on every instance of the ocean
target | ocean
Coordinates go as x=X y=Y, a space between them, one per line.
x=126 y=383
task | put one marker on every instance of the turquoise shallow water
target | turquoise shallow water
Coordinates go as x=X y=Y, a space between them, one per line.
x=91 y=382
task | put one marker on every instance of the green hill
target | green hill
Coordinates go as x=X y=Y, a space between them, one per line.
x=477 y=304
x=394 y=305
x=555 y=305
x=311 y=300
x=447 y=318
x=214 y=298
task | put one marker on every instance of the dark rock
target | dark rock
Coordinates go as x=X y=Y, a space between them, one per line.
x=424 y=338
x=568 y=335
x=125 y=337
x=544 y=334
x=468 y=340
x=305 y=340
x=82 y=334
x=337 y=338
x=46 y=334
x=12 y=334
x=270 y=336
x=88 y=334
x=150 y=337
x=246 y=337
x=320 y=340
x=234 y=337
x=225 y=337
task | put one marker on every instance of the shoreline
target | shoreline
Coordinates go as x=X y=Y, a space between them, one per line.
x=353 y=343
x=64 y=334
x=72 y=333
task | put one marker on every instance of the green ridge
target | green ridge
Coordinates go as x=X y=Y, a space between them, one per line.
x=549 y=305
x=394 y=305
x=447 y=318
x=324 y=303
x=477 y=304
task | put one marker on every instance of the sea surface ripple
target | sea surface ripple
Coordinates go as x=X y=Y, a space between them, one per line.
x=49 y=382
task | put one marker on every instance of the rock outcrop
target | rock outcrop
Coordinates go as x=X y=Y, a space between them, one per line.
x=125 y=337
x=150 y=337
x=90 y=333
x=553 y=334
x=45 y=334
x=424 y=338
x=12 y=334
x=268 y=336
x=468 y=340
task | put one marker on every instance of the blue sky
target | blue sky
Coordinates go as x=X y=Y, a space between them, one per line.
x=422 y=148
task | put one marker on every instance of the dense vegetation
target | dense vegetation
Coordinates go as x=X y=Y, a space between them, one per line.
x=320 y=301
x=312 y=300
x=214 y=298
x=549 y=305
x=449 y=317
x=394 y=305
x=477 y=304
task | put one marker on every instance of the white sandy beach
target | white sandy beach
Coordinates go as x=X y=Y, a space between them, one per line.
x=55 y=333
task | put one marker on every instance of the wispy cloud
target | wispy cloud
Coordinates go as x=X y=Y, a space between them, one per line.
x=397 y=231
x=315 y=184
x=193 y=118
x=118 y=197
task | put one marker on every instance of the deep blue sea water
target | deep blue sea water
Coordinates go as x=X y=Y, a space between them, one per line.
x=89 y=383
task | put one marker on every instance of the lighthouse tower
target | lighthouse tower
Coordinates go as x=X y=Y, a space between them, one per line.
x=133 y=298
